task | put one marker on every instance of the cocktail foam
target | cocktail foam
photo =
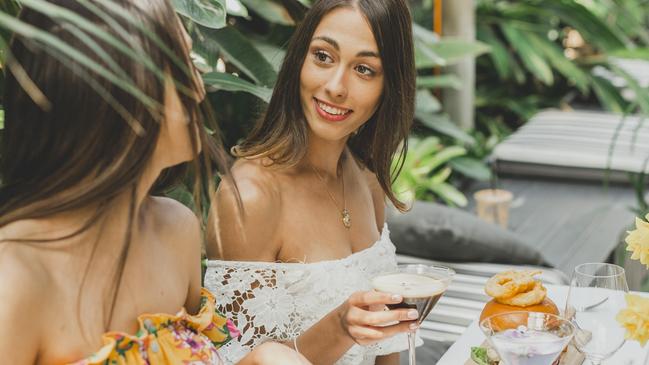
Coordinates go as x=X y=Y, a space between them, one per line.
x=409 y=285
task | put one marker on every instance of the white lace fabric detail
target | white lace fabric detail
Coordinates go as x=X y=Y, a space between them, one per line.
x=279 y=301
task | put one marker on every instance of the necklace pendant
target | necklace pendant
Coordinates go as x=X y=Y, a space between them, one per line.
x=347 y=218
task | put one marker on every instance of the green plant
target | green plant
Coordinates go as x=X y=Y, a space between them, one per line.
x=219 y=52
x=427 y=171
x=544 y=54
x=238 y=45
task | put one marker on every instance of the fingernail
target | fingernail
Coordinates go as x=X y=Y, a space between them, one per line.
x=413 y=326
x=396 y=298
x=413 y=314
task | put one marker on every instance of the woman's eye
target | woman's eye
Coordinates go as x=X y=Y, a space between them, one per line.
x=322 y=57
x=364 y=70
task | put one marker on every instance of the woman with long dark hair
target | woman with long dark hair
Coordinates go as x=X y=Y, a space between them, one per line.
x=296 y=249
x=93 y=267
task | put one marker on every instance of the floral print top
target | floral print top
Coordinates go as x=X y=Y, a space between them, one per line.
x=169 y=339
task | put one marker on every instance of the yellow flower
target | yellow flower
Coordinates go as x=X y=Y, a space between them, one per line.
x=635 y=318
x=638 y=241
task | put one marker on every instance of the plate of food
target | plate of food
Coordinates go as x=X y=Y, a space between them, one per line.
x=517 y=292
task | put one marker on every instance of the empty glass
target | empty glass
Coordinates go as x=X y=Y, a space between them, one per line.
x=595 y=297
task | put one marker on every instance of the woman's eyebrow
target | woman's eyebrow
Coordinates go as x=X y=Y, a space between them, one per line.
x=335 y=45
x=367 y=54
x=331 y=41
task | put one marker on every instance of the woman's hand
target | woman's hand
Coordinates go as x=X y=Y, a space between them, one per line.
x=366 y=326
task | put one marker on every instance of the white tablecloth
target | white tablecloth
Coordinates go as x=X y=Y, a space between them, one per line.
x=630 y=354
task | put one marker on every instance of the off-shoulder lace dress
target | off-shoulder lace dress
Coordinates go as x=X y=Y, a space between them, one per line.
x=279 y=301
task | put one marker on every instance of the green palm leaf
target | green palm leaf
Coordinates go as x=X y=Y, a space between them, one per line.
x=608 y=95
x=442 y=81
x=30 y=32
x=592 y=28
x=224 y=81
x=426 y=103
x=445 y=156
x=124 y=15
x=431 y=51
x=471 y=167
x=499 y=54
x=532 y=59
x=270 y=11
x=208 y=13
x=442 y=124
x=558 y=60
x=239 y=51
x=449 y=194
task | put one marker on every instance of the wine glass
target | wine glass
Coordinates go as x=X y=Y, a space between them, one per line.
x=527 y=338
x=595 y=297
x=420 y=286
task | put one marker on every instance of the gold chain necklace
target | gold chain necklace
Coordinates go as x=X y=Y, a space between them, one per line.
x=344 y=213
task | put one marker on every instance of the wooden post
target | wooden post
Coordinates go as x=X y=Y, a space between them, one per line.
x=437 y=17
x=459 y=22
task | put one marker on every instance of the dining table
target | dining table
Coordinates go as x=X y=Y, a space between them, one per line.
x=631 y=353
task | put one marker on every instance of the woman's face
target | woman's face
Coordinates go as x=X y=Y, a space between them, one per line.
x=341 y=81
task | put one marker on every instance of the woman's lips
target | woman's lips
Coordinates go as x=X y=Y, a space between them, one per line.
x=332 y=117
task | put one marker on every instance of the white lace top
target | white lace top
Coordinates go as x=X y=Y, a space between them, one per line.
x=279 y=301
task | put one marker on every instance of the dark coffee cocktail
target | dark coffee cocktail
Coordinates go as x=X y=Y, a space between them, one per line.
x=419 y=291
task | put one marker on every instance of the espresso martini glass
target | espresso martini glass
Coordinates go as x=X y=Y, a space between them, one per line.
x=420 y=286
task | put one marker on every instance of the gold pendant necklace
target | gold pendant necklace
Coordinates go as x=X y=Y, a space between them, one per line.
x=344 y=213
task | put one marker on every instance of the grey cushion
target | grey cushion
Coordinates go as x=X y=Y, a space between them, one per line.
x=437 y=232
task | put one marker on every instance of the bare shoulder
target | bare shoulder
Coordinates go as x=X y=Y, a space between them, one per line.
x=24 y=287
x=174 y=219
x=22 y=275
x=247 y=211
x=257 y=190
x=255 y=180
x=167 y=210
x=178 y=227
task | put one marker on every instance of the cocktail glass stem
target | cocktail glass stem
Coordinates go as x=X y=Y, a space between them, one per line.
x=411 y=348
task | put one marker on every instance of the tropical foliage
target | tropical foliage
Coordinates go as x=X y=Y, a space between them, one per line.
x=244 y=57
x=427 y=171
x=539 y=54
x=558 y=53
x=238 y=46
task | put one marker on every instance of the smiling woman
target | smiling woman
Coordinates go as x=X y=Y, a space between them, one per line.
x=340 y=83
x=306 y=233
x=282 y=134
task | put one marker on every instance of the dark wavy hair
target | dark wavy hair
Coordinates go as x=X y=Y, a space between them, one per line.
x=281 y=135
x=75 y=137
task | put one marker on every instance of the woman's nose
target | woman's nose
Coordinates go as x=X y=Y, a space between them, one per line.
x=336 y=86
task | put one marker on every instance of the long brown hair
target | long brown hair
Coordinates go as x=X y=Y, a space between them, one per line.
x=93 y=137
x=281 y=135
